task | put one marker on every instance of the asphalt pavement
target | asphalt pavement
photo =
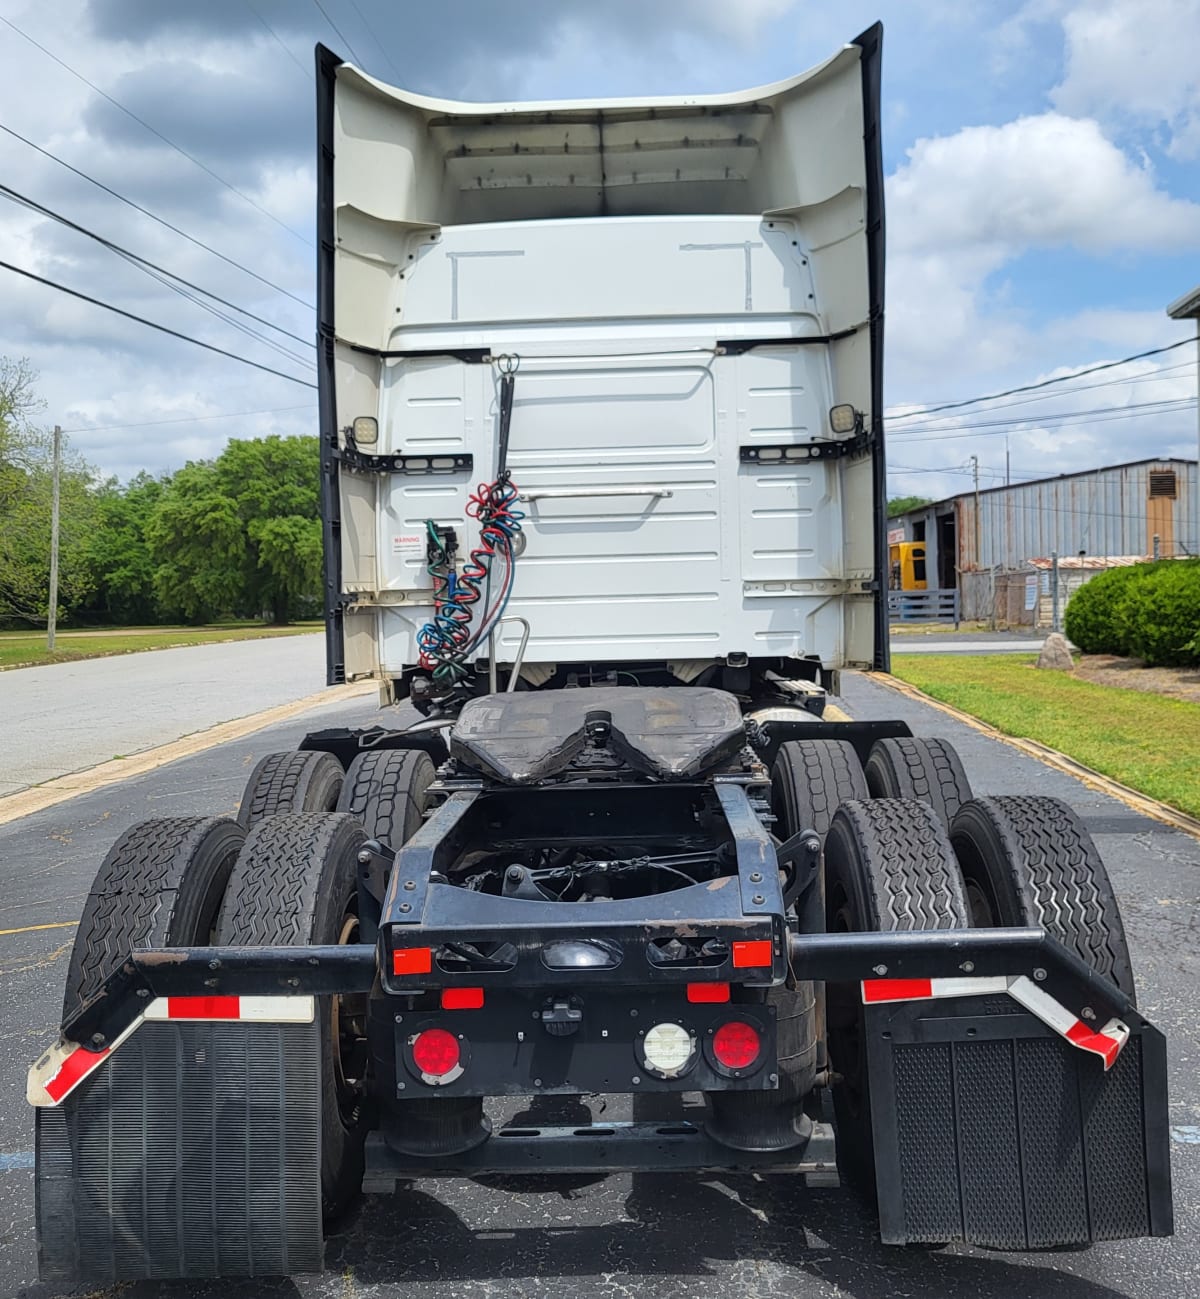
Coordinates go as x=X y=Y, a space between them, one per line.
x=65 y=717
x=670 y=1237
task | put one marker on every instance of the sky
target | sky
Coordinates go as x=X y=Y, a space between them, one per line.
x=1043 y=199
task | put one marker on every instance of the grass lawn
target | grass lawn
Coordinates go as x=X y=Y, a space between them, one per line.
x=1145 y=741
x=22 y=649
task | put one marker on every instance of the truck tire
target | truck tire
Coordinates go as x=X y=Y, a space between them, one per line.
x=160 y=885
x=888 y=867
x=929 y=771
x=295 y=883
x=811 y=779
x=1029 y=860
x=388 y=791
x=283 y=783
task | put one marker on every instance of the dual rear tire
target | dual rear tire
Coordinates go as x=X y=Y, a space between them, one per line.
x=276 y=877
x=922 y=854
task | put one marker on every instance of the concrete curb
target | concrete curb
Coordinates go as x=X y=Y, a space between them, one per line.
x=61 y=788
x=1052 y=758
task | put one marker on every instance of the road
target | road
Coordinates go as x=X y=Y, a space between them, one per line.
x=740 y=1237
x=973 y=642
x=65 y=717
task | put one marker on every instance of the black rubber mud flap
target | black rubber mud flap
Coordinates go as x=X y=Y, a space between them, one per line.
x=991 y=1129
x=194 y=1151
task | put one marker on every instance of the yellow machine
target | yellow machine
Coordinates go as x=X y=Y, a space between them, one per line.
x=907 y=563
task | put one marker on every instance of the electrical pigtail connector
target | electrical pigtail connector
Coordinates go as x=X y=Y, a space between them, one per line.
x=469 y=604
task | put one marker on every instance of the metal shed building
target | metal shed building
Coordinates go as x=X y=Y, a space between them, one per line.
x=1115 y=511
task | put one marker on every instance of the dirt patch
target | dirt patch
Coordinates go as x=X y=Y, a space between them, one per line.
x=1132 y=674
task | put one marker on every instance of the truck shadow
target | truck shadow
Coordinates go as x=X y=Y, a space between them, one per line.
x=750 y=1236
x=663 y=1234
x=660 y=1234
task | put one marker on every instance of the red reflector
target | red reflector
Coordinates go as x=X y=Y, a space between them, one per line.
x=412 y=960
x=752 y=953
x=435 y=1052
x=700 y=992
x=462 y=998
x=736 y=1045
x=897 y=989
x=203 y=1007
x=73 y=1069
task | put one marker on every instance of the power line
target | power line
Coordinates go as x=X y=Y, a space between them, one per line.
x=137 y=207
x=152 y=324
x=341 y=34
x=144 y=262
x=306 y=72
x=1051 y=417
x=200 y=302
x=375 y=38
x=188 y=419
x=1158 y=375
x=1045 y=383
x=155 y=132
x=1185 y=403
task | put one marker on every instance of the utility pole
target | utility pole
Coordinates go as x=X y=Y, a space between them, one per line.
x=52 y=613
x=1054 y=608
x=978 y=543
x=978 y=551
x=1007 y=465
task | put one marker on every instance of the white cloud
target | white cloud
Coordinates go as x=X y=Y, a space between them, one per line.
x=1137 y=60
x=1038 y=182
x=964 y=206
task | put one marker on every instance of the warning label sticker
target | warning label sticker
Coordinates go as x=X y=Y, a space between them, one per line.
x=408 y=543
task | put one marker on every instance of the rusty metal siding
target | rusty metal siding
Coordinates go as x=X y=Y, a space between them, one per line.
x=1107 y=512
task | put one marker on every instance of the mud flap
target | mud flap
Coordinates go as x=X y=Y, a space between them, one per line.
x=193 y=1151
x=992 y=1129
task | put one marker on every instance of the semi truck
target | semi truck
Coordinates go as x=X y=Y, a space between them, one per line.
x=601 y=438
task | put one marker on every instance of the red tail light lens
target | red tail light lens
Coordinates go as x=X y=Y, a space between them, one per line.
x=749 y=955
x=698 y=993
x=436 y=1052
x=736 y=1045
x=462 y=998
x=412 y=960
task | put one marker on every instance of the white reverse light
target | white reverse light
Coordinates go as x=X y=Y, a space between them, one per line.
x=843 y=419
x=365 y=430
x=669 y=1049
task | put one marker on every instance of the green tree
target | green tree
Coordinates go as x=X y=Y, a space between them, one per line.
x=902 y=504
x=120 y=552
x=242 y=533
x=26 y=488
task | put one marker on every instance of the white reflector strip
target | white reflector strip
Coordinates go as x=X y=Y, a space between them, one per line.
x=880 y=990
x=259 y=1010
x=1106 y=1042
x=66 y=1064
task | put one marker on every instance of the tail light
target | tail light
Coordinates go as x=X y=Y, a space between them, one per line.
x=436 y=1055
x=752 y=953
x=412 y=960
x=462 y=998
x=736 y=1045
x=668 y=1050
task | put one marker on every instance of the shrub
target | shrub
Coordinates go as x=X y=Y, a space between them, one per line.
x=1151 y=611
x=1092 y=619
x=1162 y=613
